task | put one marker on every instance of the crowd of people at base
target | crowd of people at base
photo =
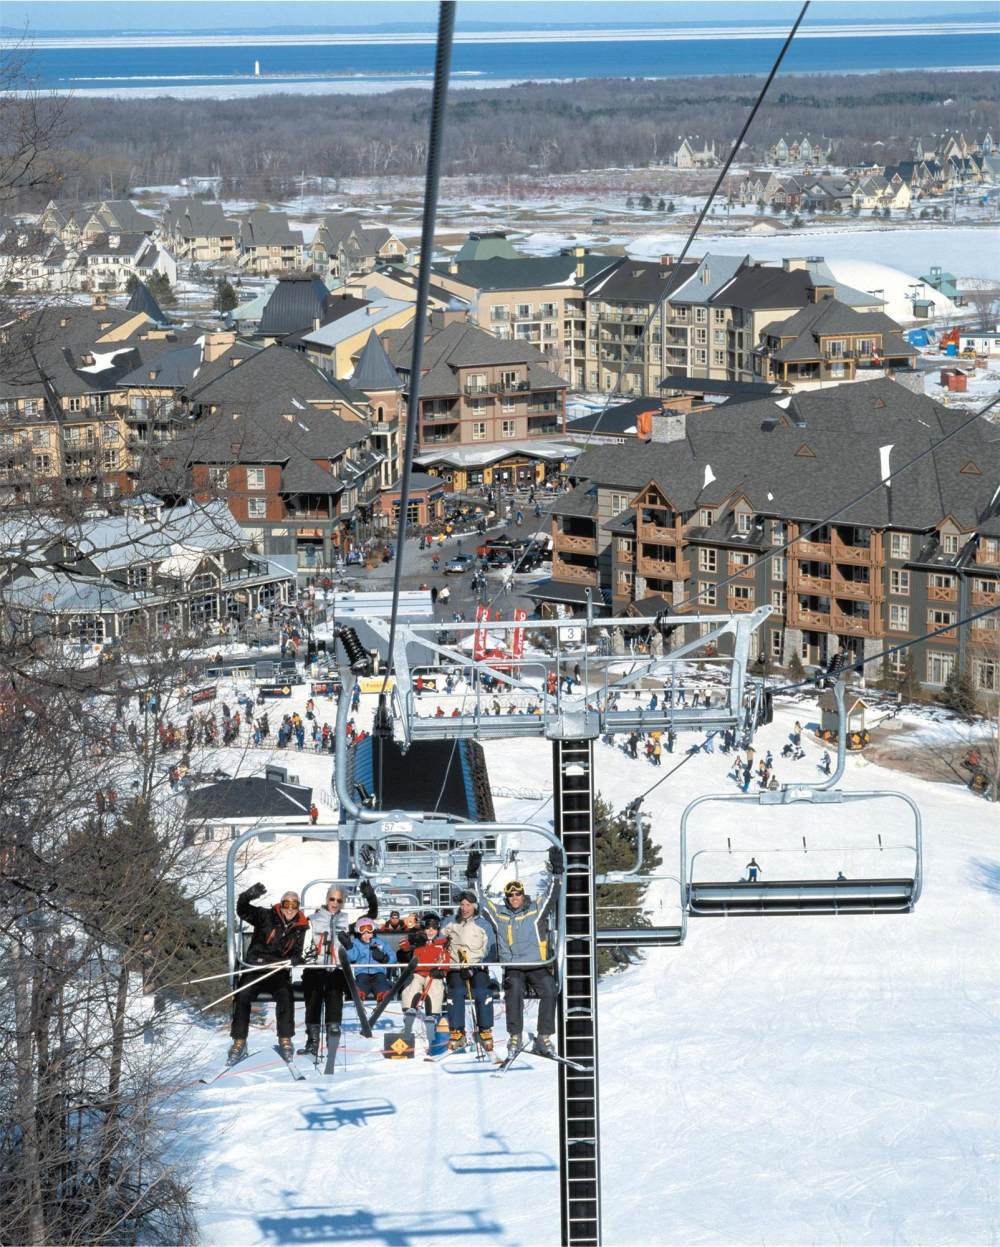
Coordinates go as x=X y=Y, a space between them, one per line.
x=450 y=957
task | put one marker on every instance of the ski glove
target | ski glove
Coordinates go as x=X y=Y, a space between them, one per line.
x=346 y=940
x=258 y=889
x=379 y=955
x=555 y=861
x=472 y=868
x=368 y=892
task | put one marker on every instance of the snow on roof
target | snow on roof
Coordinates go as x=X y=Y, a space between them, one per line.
x=104 y=359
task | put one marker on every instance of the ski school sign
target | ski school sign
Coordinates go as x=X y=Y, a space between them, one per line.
x=204 y=694
x=270 y=691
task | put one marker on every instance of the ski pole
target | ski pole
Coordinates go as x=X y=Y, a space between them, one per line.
x=224 y=975
x=282 y=966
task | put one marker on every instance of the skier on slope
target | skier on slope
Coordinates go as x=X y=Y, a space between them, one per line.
x=279 y=934
x=467 y=942
x=521 y=924
x=426 y=988
x=368 y=954
x=324 y=989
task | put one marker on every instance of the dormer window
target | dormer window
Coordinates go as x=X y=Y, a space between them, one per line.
x=744 y=522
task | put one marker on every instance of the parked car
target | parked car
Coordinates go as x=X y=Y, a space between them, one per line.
x=459 y=564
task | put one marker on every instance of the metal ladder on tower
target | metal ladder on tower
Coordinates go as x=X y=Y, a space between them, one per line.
x=573 y=789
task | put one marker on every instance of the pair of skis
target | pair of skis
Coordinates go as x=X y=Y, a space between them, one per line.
x=230 y=1066
x=365 y=1020
x=524 y=1045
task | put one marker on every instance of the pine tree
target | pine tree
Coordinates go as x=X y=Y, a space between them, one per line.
x=958 y=693
x=795 y=668
x=161 y=290
x=619 y=905
x=646 y=203
x=670 y=206
x=132 y=284
x=661 y=205
x=225 y=296
x=630 y=203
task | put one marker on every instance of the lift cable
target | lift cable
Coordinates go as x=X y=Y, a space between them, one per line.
x=546 y=517
x=442 y=68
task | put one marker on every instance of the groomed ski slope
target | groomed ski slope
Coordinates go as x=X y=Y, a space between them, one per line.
x=785 y=1080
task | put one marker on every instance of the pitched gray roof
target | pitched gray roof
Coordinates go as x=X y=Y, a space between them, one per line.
x=275 y=372
x=295 y=304
x=640 y=281
x=765 y=286
x=805 y=459
x=142 y=301
x=268 y=229
x=199 y=218
x=374 y=370
x=525 y=272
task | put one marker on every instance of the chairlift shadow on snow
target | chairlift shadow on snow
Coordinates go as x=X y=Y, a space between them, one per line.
x=329 y=1116
x=352 y=1224
x=500 y=1160
x=985 y=874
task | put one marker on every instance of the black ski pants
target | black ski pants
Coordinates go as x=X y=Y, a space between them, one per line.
x=323 y=989
x=280 y=984
x=514 y=983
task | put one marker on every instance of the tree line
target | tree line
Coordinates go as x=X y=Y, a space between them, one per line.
x=262 y=146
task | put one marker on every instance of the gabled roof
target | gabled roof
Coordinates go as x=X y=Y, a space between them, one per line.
x=829 y=316
x=142 y=301
x=374 y=370
x=360 y=314
x=116 y=243
x=525 y=272
x=275 y=372
x=764 y=286
x=199 y=218
x=639 y=281
x=268 y=229
x=250 y=796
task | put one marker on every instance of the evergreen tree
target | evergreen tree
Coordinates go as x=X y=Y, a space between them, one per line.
x=795 y=667
x=630 y=203
x=161 y=290
x=225 y=296
x=132 y=284
x=620 y=904
x=646 y=203
x=670 y=206
x=661 y=205
x=958 y=694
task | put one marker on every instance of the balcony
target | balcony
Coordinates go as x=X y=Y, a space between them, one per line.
x=574 y=573
x=852 y=625
x=807 y=617
x=843 y=553
x=573 y=544
x=935 y=593
x=856 y=590
x=810 y=550
x=439 y=439
x=818 y=585
x=746 y=571
x=663 y=568
x=978 y=635
x=740 y=604
x=988 y=554
x=657 y=534
x=626 y=556
x=986 y=597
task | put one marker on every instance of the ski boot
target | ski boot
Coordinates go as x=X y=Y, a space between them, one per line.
x=312 y=1042
x=513 y=1043
x=543 y=1045
x=285 y=1049
x=237 y=1051
x=486 y=1038
x=456 y=1042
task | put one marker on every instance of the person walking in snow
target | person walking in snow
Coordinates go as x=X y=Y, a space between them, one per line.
x=753 y=870
x=467 y=943
x=279 y=934
x=521 y=926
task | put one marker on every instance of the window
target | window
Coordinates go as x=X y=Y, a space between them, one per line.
x=255 y=478
x=897 y=663
x=523 y=311
x=899 y=545
x=741 y=593
x=218 y=478
x=937 y=581
x=744 y=522
x=707 y=516
x=499 y=313
x=989 y=550
x=986 y=674
x=701 y=337
x=700 y=315
x=42 y=463
x=708 y=594
x=508 y=404
x=777 y=643
x=718 y=359
x=778 y=567
x=625 y=582
x=949 y=543
x=138 y=577
x=479 y=430
x=256 y=508
x=476 y=383
x=937 y=618
x=899 y=582
x=623 y=546
x=74 y=404
x=835 y=348
x=110 y=460
x=506 y=428
x=778 y=600
x=708 y=560
x=899 y=618
x=719 y=315
x=778 y=533
x=619 y=503
x=939 y=667
x=701 y=357
x=109 y=434
x=718 y=337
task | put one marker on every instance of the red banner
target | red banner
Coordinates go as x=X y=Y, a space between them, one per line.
x=517 y=649
x=479 y=636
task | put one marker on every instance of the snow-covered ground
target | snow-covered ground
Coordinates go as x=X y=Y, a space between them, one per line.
x=776 y=1080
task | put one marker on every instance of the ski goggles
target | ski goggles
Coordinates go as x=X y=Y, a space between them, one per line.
x=514 y=888
x=291 y=901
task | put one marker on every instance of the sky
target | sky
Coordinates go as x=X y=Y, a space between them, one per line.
x=187 y=15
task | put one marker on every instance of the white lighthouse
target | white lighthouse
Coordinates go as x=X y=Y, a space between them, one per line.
x=256 y=69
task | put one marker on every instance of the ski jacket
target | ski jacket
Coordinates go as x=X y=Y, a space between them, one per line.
x=275 y=937
x=429 y=954
x=466 y=935
x=362 y=956
x=326 y=926
x=522 y=934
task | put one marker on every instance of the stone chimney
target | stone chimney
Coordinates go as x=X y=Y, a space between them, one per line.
x=216 y=344
x=452 y=266
x=668 y=260
x=791 y=263
x=669 y=426
x=98 y=300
